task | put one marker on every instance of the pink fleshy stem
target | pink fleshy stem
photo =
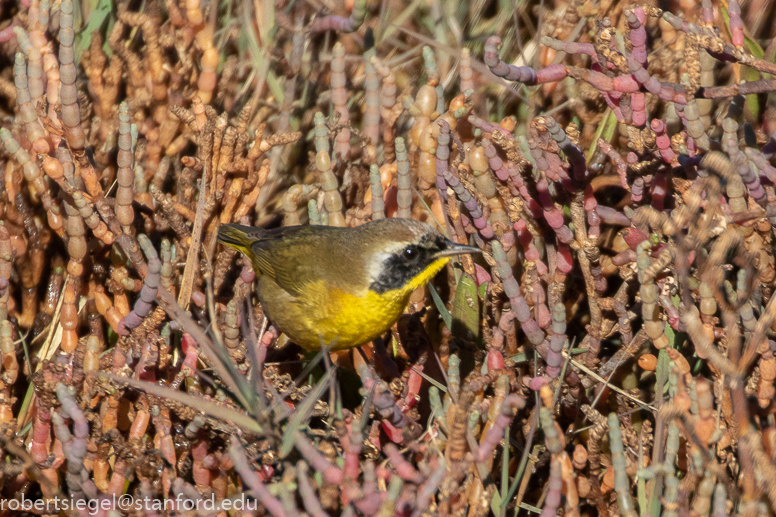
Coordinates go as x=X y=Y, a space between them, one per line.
x=518 y=304
x=495 y=360
x=247 y=274
x=526 y=239
x=552 y=215
x=388 y=91
x=565 y=260
x=403 y=467
x=558 y=168
x=570 y=47
x=143 y=304
x=351 y=444
x=427 y=490
x=679 y=108
x=682 y=25
x=623 y=320
x=639 y=105
x=403 y=180
x=613 y=102
x=638 y=34
x=191 y=355
x=751 y=179
x=309 y=498
x=761 y=163
x=533 y=206
x=624 y=257
x=488 y=127
x=167 y=446
x=7 y=34
x=442 y=155
x=614 y=156
x=367 y=502
x=671 y=311
x=552 y=501
x=663 y=141
x=736 y=25
x=478 y=218
x=383 y=399
x=500 y=332
x=495 y=162
x=669 y=92
x=71 y=410
x=637 y=190
x=365 y=497
x=411 y=393
x=145 y=355
x=252 y=480
x=612 y=217
x=340 y=23
x=73 y=445
x=539 y=156
x=707 y=12
x=267 y=338
x=330 y=472
x=539 y=296
x=41 y=433
x=575 y=156
x=339 y=95
x=522 y=74
x=378 y=202
x=509 y=407
x=604 y=83
x=372 y=99
x=593 y=232
x=557 y=340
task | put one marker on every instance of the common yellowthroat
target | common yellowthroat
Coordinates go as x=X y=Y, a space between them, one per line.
x=342 y=287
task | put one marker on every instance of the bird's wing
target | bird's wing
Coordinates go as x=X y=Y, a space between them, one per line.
x=288 y=256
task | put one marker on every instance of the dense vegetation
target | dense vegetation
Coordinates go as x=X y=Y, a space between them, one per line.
x=611 y=352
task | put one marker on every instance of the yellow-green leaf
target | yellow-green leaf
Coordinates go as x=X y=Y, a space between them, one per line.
x=466 y=307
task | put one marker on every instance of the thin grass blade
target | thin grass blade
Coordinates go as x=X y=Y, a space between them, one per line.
x=241 y=420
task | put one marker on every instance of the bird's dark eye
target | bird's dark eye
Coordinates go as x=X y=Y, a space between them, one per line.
x=410 y=253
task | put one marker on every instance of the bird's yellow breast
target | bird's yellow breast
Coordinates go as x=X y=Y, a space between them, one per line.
x=335 y=315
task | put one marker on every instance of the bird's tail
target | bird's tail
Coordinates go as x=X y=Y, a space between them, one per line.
x=238 y=236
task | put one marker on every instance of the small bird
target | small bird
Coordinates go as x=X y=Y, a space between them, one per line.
x=341 y=287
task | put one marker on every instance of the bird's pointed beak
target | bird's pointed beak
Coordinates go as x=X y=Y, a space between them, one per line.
x=451 y=248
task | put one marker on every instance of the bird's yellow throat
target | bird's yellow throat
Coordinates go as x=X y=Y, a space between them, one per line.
x=355 y=320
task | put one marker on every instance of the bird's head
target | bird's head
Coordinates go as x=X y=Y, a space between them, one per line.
x=404 y=254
